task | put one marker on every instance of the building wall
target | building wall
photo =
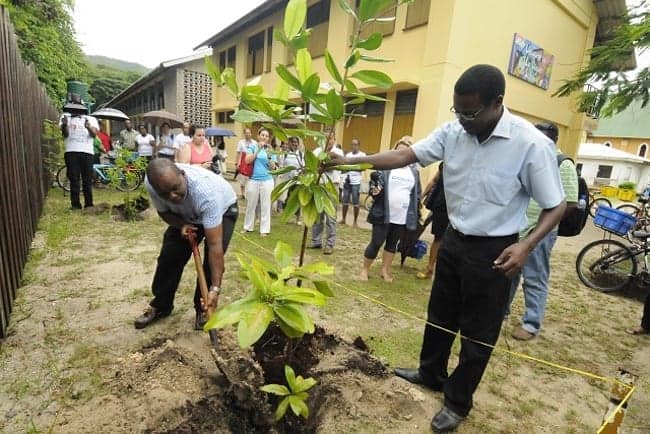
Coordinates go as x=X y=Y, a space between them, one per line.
x=622 y=171
x=459 y=33
x=630 y=145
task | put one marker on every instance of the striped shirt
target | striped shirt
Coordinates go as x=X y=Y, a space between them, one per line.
x=208 y=197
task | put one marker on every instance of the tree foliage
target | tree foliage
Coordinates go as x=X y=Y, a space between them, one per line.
x=46 y=39
x=615 y=88
x=106 y=82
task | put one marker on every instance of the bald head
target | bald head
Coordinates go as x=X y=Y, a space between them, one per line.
x=167 y=179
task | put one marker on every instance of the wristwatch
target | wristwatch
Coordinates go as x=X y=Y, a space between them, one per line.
x=215 y=289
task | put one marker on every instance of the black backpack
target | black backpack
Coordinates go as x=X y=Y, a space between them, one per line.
x=572 y=224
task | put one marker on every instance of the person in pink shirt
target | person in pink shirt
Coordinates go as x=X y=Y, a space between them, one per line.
x=198 y=151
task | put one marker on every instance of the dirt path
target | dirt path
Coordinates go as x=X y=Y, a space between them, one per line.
x=74 y=363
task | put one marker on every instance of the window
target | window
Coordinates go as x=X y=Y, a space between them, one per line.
x=417 y=13
x=224 y=117
x=405 y=101
x=643 y=150
x=579 y=169
x=385 y=28
x=269 y=48
x=368 y=108
x=255 y=61
x=227 y=58
x=604 y=172
x=318 y=16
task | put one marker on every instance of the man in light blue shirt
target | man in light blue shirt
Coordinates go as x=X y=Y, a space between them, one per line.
x=189 y=199
x=494 y=163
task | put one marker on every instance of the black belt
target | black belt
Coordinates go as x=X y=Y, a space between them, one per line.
x=463 y=236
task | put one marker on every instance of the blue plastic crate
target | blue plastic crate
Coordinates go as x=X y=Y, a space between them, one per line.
x=614 y=220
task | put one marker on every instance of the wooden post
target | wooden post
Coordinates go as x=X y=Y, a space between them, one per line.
x=612 y=422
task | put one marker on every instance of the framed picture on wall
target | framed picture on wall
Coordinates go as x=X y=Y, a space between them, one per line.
x=530 y=62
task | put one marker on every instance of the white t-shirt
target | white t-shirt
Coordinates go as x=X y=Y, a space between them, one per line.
x=79 y=140
x=167 y=145
x=144 y=147
x=333 y=175
x=400 y=184
x=181 y=140
x=355 y=177
x=243 y=145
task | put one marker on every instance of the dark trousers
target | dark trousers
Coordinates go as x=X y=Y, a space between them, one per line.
x=467 y=296
x=174 y=254
x=79 y=168
x=645 y=321
x=388 y=234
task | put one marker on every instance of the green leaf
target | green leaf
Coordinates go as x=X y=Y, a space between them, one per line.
x=288 y=77
x=230 y=81
x=334 y=105
x=304 y=195
x=283 y=254
x=253 y=324
x=353 y=59
x=332 y=68
x=280 y=94
x=282 y=171
x=303 y=384
x=247 y=116
x=309 y=215
x=300 y=41
x=372 y=43
x=310 y=86
x=294 y=316
x=374 y=78
x=276 y=389
x=279 y=36
x=290 y=375
x=213 y=70
x=320 y=118
x=307 y=178
x=369 y=96
x=352 y=167
x=376 y=59
x=351 y=87
x=345 y=6
x=298 y=406
x=329 y=206
x=303 y=64
x=228 y=314
x=302 y=295
x=311 y=162
x=294 y=17
x=322 y=268
x=369 y=9
x=282 y=408
x=323 y=287
x=288 y=331
x=319 y=196
x=291 y=207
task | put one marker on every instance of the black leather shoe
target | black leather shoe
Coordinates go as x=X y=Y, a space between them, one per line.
x=414 y=376
x=446 y=420
x=150 y=315
x=200 y=321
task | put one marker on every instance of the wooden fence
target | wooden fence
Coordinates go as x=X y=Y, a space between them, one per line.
x=24 y=181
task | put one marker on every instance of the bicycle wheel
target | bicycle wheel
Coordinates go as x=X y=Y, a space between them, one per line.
x=606 y=265
x=367 y=202
x=593 y=206
x=629 y=208
x=62 y=178
x=130 y=180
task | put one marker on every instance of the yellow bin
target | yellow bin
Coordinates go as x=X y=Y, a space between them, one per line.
x=608 y=191
x=626 y=195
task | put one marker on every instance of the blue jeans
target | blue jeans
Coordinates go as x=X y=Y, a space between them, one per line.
x=536 y=272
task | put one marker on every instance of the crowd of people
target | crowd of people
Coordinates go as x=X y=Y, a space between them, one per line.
x=495 y=202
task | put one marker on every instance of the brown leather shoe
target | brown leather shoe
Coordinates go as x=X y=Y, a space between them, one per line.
x=522 y=334
x=150 y=315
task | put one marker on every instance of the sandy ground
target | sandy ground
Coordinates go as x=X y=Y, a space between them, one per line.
x=74 y=363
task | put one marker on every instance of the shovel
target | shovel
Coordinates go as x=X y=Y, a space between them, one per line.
x=203 y=283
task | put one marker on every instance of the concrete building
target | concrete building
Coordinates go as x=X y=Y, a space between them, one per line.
x=180 y=86
x=604 y=165
x=628 y=130
x=432 y=43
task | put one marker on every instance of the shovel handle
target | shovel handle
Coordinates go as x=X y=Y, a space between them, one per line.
x=203 y=283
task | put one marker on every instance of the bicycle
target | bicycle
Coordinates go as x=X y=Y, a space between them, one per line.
x=595 y=202
x=609 y=265
x=127 y=179
x=639 y=212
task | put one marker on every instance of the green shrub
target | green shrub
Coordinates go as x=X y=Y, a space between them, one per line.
x=627 y=185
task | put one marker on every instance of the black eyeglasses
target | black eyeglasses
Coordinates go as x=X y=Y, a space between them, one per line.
x=467 y=116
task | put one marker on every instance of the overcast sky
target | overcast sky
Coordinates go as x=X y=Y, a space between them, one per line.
x=149 y=32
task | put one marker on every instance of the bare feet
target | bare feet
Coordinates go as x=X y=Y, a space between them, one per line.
x=386 y=276
x=355 y=225
x=637 y=331
x=342 y=222
x=363 y=275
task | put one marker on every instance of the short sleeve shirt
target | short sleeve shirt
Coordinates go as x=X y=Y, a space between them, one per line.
x=79 y=140
x=488 y=185
x=208 y=197
x=261 y=165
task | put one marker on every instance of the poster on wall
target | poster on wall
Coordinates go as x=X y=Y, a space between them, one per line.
x=530 y=62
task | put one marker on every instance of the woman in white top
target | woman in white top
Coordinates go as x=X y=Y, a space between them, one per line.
x=146 y=143
x=396 y=195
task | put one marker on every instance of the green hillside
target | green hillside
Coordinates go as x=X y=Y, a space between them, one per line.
x=107 y=77
x=117 y=64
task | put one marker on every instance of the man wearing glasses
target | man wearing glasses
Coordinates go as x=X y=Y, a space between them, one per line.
x=494 y=163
